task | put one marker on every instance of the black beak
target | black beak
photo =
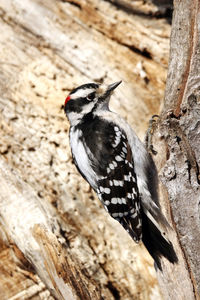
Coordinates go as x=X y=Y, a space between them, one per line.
x=112 y=86
x=105 y=92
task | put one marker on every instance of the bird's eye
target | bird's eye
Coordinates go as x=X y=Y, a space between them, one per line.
x=91 y=96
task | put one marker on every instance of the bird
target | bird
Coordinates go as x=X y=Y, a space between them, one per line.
x=116 y=164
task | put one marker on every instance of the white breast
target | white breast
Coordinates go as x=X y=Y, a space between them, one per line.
x=81 y=156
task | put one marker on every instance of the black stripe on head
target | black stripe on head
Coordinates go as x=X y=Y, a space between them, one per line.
x=76 y=105
x=80 y=100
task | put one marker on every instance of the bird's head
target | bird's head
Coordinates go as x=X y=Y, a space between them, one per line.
x=87 y=98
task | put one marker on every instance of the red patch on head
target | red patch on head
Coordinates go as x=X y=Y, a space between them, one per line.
x=67 y=99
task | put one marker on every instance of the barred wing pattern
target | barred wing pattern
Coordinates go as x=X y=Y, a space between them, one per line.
x=118 y=189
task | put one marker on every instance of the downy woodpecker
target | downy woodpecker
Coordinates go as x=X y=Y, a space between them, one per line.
x=116 y=164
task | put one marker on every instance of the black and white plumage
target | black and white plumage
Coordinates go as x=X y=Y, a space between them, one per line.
x=116 y=164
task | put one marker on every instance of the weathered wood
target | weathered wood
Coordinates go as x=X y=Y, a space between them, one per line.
x=178 y=144
x=47 y=48
x=30 y=224
x=150 y=7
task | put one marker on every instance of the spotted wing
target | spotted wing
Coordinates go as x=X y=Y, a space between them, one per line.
x=117 y=187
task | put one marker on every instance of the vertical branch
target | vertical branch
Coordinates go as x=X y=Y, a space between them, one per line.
x=178 y=141
x=184 y=58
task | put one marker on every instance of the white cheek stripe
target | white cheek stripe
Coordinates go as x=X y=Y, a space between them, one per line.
x=82 y=93
x=75 y=118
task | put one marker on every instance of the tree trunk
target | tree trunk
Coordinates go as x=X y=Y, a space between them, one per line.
x=56 y=241
x=177 y=141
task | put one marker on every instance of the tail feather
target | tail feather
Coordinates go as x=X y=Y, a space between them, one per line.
x=156 y=244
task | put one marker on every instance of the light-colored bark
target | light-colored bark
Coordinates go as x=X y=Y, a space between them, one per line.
x=47 y=210
x=30 y=227
x=178 y=144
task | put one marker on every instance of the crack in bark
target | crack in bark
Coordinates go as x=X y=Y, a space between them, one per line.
x=181 y=138
x=72 y=3
x=129 y=9
x=184 y=255
x=191 y=51
x=145 y=53
x=113 y=290
x=186 y=148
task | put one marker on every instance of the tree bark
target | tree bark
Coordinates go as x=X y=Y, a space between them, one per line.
x=177 y=139
x=34 y=231
x=53 y=228
x=56 y=241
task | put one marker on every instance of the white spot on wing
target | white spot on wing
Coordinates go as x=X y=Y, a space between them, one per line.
x=117 y=140
x=114 y=215
x=119 y=200
x=118 y=134
x=114 y=200
x=107 y=190
x=123 y=200
x=114 y=163
x=124 y=149
x=111 y=166
x=108 y=170
x=126 y=177
x=107 y=202
x=118 y=158
x=123 y=155
x=116 y=182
